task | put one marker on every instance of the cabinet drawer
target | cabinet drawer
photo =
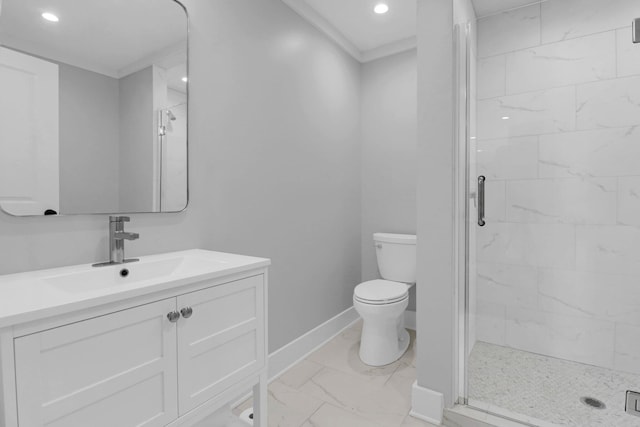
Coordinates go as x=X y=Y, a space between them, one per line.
x=222 y=341
x=113 y=370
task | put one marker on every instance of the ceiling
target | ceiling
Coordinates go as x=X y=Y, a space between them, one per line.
x=491 y=7
x=111 y=38
x=360 y=31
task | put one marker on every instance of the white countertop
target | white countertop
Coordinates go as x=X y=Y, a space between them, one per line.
x=40 y=294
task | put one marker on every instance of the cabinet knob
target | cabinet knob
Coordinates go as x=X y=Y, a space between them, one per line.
x=173 y=316
x=186 y=312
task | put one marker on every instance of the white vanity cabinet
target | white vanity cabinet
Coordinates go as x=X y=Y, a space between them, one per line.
x=114 y=370
x=136 y=362
x=221 y=341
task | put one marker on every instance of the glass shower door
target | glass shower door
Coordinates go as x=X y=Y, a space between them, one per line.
x=553 y=307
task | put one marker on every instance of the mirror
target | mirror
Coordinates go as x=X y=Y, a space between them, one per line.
x=93 y=106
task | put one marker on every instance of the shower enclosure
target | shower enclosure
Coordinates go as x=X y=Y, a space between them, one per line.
x=549 y=134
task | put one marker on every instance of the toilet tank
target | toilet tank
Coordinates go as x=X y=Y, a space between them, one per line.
x=396 y=255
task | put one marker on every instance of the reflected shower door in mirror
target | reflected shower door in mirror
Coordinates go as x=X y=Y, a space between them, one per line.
x=93 y=111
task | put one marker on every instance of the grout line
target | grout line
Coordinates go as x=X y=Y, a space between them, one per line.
x=533 y=3
x=515 y=137
x=575 y=107
x=540 y=25
x=522 y=49
x=615 y=52
x=308 y=419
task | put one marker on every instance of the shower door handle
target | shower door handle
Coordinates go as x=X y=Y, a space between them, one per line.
x=481 y=221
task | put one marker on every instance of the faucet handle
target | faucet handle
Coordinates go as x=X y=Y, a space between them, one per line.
x=119 y=219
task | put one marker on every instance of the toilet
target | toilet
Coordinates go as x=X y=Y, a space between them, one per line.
x=381 y=303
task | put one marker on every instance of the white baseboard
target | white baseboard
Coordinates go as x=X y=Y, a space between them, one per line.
x=427 y=405
x=410 y=320
x=287 y=356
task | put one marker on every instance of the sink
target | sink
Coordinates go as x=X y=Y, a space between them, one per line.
x=117 y=275
x=38 y=294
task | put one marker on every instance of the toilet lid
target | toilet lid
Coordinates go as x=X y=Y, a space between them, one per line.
x=381 y=291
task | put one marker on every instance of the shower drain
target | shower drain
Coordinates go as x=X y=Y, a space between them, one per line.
x=593 y=402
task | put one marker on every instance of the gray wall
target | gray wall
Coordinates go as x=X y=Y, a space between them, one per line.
x=136 y=141
x=89 y=126
x=388 y=108
x=275 y=166
x=281 y=143
x=436 y=361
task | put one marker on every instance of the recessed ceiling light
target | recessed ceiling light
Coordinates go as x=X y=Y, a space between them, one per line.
x=381 y=8
x=184 y=79
x=50 y=17
x=505 y=118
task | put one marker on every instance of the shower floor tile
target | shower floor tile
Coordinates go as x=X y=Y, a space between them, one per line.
x=548 y=389
x=333 y=388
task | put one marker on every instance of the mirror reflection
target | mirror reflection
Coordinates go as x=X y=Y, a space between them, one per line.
x=93 y=112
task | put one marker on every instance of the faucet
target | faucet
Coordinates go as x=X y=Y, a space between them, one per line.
x=117 y=236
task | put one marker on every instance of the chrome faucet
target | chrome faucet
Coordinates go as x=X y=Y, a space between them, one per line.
x=117 y=236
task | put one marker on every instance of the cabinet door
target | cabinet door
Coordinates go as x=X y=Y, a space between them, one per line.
x=114 y=370
x=222 y=341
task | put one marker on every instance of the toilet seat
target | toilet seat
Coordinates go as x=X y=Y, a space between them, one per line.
x=380 y=292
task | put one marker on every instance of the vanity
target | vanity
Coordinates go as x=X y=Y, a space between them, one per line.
x=95 y=121
x=165 y=341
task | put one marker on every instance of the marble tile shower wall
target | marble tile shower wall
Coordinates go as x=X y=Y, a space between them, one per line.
x=559 y=261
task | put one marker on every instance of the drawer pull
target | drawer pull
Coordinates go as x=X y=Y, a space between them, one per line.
x=186 y=312
x=173 y=316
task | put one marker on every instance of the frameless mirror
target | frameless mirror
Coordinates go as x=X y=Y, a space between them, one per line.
x=93 y=106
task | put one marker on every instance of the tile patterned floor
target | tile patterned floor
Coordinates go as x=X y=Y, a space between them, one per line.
x=333 y=388
x=549 y=389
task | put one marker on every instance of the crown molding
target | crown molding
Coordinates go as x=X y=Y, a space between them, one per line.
x=389 y=49
x=303 y=9
x=321 y=23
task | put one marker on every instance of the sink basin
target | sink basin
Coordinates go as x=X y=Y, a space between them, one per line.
x=132 y=273
x=38 y=294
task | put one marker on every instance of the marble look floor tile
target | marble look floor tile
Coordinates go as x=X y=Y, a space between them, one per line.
x=289 y=407
x=407 y=363
x=342 y=354
x=312 y=394
x=300 y=373
x=332 y=416
x=385 y=405
x=410 y=421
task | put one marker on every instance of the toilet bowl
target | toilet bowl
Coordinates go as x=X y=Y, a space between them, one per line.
x=381 y=303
